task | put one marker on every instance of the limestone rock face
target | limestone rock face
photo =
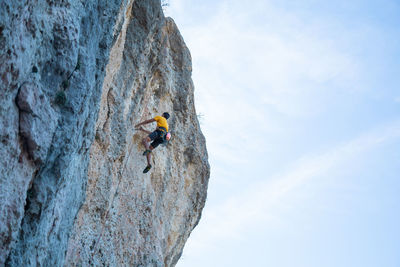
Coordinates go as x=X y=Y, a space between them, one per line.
x=37 y=121
x=75 y=77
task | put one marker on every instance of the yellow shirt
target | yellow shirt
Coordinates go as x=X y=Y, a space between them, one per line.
x=161 y=122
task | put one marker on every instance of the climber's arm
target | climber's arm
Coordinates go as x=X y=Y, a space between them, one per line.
x=145 y=122
x=141 y=128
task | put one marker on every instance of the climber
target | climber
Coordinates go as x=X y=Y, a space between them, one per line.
x=158 y=136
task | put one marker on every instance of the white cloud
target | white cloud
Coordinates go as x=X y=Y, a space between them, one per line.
x=258 y=204
x=259 y=73
x=281 y=66
x=242 y=71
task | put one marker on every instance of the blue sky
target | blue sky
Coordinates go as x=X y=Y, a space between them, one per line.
x=299 y=103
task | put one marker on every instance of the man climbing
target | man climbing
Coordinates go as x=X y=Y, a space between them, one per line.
x=158 y=136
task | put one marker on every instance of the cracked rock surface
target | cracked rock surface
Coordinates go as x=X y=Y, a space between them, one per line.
x=75 y=77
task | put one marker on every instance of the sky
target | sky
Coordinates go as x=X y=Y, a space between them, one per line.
x=299 y=102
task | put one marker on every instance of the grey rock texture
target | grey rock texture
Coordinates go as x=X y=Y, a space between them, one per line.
x=37 y=121
x=75 y=76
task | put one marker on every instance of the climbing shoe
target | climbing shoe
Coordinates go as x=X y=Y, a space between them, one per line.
x=147 y=151
x=147 y=169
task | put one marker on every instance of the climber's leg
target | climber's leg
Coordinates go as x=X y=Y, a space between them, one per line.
x=150 y=146
x=146 y=142
x=148 y=155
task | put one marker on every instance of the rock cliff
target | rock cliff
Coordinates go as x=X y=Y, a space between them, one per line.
x=75 y=77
